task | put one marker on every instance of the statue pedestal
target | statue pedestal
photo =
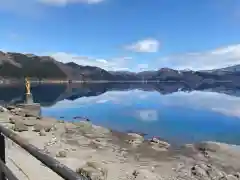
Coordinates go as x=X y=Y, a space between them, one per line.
x=32 y=108
x=29 y=99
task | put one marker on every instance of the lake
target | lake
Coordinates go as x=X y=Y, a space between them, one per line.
x=171 y=111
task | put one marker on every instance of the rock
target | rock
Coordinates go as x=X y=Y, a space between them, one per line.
x=135 y=139
x=198 y=171
x=47 y=126
x=91 y=130
x=84 y=126
x=42 y=132
x=30 y=110
x=231 y=177
x=135 y=132
x=19 y=113
x=49 y=120
x=2 y=109
x=237 y=174
x=29 y=122
x=204 y=171
x=135 y=135
x=69 y=127
x=143 y=174
x=93 y=171
x=20 y=126
x=10 y=108
x=135 y=173
x=61 y=154
x=99 y=130
x=31 y=118
x=159 y=143
x=14 y=119
x=208 y=146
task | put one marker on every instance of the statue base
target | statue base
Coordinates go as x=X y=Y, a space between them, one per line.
x=33 y=109
x=29 y=99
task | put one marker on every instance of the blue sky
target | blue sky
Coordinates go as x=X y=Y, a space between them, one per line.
x=125 y=34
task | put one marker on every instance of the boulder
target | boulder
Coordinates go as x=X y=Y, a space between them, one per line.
x=29 y=122
x=84 y=126
x=69 y=127
x=30 y=110
x=207 y=171
x=19 y=113
x=231 y=177
x=47 y=126
x=91 y=130
x=14 y=119
x=100 y=131
x=135 y=139
x=159 y=143
x=93 y=171
x=10 y=108
x=61 y=154
x=208 y=146
x=20 y=126
x=42 y=132
x=49 y=119
x=2 y=109
x=143 y=174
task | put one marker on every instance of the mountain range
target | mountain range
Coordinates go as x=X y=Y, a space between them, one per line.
x=17 y=66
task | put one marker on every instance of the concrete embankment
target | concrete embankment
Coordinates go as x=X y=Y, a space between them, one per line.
x=104 y=154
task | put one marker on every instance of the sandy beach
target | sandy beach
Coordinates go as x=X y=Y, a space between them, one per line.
x=105 y=154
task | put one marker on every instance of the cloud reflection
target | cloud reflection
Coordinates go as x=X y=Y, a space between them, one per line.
x=221 y=103
x=114 y=97
x=147 y=115
x=210 y=101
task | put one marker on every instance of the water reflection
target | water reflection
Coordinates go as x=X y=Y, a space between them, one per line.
x=49 y=94
x=173 y=111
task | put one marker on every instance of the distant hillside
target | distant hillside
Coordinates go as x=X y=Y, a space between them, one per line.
x=18 y=66
x=91 y=72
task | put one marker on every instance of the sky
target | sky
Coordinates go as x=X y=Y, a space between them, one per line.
x=133 y=35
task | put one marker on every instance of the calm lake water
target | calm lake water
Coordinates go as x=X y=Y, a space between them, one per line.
x=171 y=111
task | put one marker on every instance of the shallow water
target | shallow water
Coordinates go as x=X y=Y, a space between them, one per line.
x=157 y=110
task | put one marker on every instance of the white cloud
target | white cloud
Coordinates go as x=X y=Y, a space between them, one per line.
x=23 y=7
x=65 y=2
x=114 y=64
x=145 y=46
x=36 y=8
x=216 y=58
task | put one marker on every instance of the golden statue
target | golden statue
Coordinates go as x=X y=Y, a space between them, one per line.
x=27 y=84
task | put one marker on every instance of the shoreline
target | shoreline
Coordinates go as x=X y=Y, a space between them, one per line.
x=110 y=155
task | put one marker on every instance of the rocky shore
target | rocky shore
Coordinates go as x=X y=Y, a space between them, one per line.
x=104 y=154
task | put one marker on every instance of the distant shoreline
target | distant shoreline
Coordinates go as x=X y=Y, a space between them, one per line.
x=52 y=81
